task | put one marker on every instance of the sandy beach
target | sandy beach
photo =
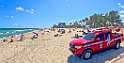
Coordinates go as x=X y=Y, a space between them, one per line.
x=49 y=49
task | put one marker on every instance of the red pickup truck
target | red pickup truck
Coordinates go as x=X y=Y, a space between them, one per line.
x=97 y=40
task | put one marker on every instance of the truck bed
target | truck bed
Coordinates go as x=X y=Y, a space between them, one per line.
x=117 y=35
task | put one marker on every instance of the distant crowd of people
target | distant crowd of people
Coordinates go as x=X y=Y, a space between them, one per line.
x=35 y=36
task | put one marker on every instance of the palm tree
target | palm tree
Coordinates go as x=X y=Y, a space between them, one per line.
x=70 y=24
x=97 y=20
x=112 y=17
x=87 y=21
x=76 y=24
x=80 y=23
x=102 y=20
x=94 y=19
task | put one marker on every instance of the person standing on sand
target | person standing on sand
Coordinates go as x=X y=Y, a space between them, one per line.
x=35 y=35
x=22 y=37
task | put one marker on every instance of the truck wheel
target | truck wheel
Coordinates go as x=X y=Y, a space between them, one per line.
x=117 y=45
x=87 y=54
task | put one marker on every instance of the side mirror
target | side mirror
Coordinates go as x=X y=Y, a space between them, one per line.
x=97 y=39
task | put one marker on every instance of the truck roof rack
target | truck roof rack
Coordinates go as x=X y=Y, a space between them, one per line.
x=100 y=29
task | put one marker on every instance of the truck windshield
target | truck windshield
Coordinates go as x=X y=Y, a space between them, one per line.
x=90 y=36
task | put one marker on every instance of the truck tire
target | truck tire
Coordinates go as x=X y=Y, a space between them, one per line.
x=117 y=45
x=87 y=54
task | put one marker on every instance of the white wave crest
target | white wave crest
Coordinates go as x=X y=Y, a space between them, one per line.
x=19 y=30
x=1 y=33
x=7 y=32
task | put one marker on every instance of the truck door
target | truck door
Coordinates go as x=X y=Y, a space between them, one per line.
x=100 y=42
x=108 y=39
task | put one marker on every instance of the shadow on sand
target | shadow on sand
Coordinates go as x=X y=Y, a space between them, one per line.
x=100 y=57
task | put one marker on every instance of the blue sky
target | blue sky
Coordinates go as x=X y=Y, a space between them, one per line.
x=45 y=13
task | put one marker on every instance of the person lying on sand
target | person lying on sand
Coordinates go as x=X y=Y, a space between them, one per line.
x=56 y=35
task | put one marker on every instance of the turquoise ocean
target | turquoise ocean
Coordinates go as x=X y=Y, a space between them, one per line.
x=6 y=32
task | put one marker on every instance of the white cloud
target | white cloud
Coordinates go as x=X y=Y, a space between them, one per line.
x=27 y=10
x=122 y=13
x=119 y=4
x=9 y=16
x=122 y=6
x=20 y=9
x=122 y=16
x=30 y=11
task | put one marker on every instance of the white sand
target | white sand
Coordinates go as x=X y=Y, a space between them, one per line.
x=49 y=49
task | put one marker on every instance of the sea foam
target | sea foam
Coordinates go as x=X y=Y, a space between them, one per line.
x=1 y=33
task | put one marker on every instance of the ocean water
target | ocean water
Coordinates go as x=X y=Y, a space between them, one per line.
x=6 y=32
